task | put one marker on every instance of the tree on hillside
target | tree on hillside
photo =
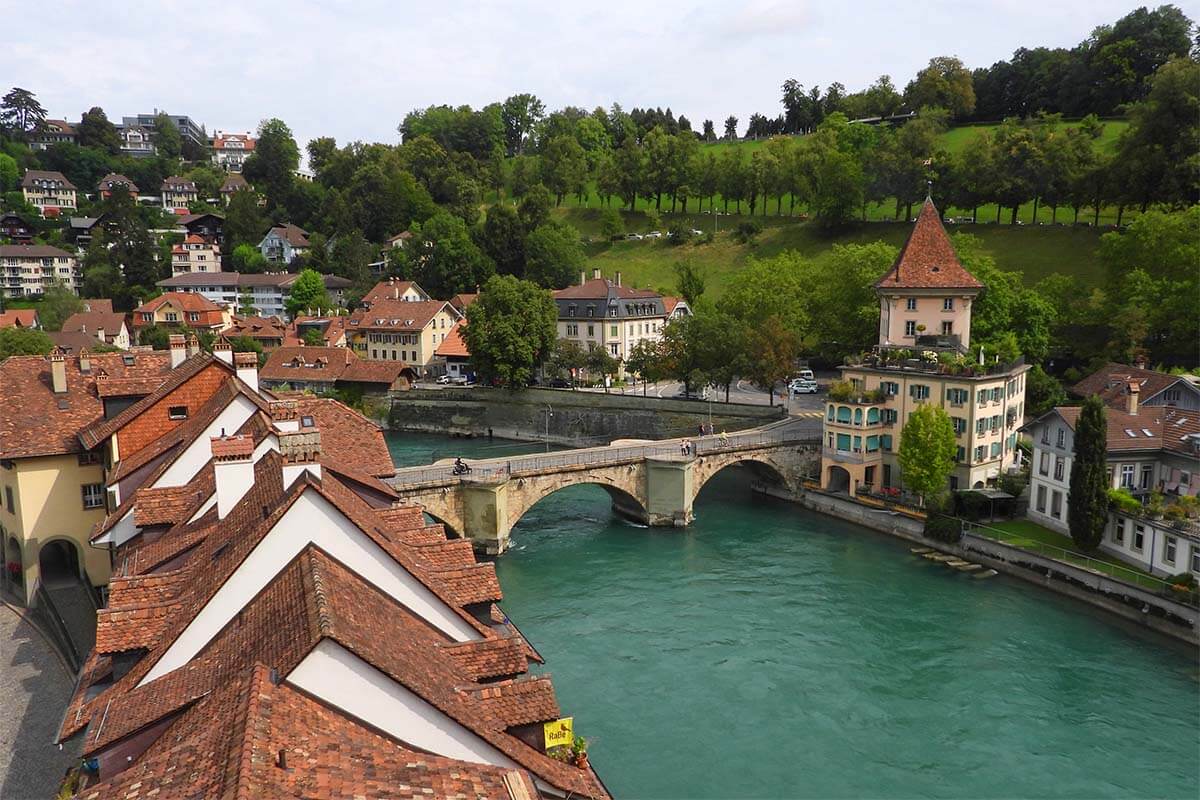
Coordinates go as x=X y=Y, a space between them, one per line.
x=245 y=223
x=24 y=342
x=1159 y=146
x=1087 y=512
x=553 y=255
x=96 y=131
x=10 y=174
x=771 y=355
x=688 y=282
x=945 y=83
x=731 y=123
x=449 y=262
x=520 y=113
x=927 y=451
x=534 y=209
x=600 y=363
x=272 y=165
x=709 y=134
x=308 y=292
x=564 y=166
x=612 y=224
x=21 y=113
x=166 y=136
x=503 y=239
x=511 y=329
x=58 y=303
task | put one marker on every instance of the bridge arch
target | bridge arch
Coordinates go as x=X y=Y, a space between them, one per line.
x=765 y=467
x=626 y=488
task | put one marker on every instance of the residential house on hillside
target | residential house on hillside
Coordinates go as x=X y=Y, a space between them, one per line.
x=454 y=353
x=52 y=485
x=182 y=310
x=270 y=332
x=177 y=194
x=1152 y=449
x=604 y=313
x=209 y=225
x=105 y=188
x=327 y=369
x=230 y=150
x=394 y=289
x=402 y=330
x=52 y=132
x=926 y=290
x=49 y=192
x=283 y=243
x=98 y=319
x=137 y=141
x=26 y=270
x=232 y=184
x=81 y=230
x=20 y=318
x=188 y=128
x=15 y=229
x=462 y=300
x=268 y=290
x=195 y=254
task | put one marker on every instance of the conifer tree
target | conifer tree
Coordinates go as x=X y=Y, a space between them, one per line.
x=1087 y=513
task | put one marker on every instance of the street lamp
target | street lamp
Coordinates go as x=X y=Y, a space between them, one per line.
x=549 y=414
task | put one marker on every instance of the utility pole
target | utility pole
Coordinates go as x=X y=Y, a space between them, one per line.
x=549 y=414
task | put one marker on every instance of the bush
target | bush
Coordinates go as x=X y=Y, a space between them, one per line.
x=1121 y=500
x=679 y=234
x=1013 y=482
x=942 y=528
x=746 y=232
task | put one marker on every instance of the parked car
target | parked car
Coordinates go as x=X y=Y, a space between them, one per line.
x=697 y=233
x=804 y=375
x=459 y=380
x=634 y=236
x=654 y=235
x=560 y=383
x=443 y=380
x=800 y=386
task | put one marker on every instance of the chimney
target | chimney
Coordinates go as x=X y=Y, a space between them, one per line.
x=595 y=273
x=1131 y=399
x=285 y=414
x=618 y=277
x=246 y=365
x=193 y=345
x=85 y=361
x=223 y=350
x=178 y=346
x=301 y=450
x=58 y=370
x=1139 y=361
x=582 y=277
x=233 y=470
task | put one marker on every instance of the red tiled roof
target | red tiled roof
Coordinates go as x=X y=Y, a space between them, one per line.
x=390 y=289
x=599 y=288
x=454 y=345
x=1152 y=428
x=35 y=421
x=74 y=341
x=115 y=178
x=397 y=315
x=211 y=314
x=928 y=260
x=1113 y=376
x=292 y=234
x=462 y=300
x=98 y=318
x=19 y=318
x=328 y=365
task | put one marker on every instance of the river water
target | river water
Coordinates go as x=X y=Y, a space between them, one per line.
x=767 y=651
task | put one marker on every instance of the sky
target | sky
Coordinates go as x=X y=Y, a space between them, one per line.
x=352 y=70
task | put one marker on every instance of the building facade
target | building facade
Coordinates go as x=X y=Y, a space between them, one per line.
x=113 y=179
x=195 y=254
x=283 y=243
x=182 y=310
x=910 y=367
x=177 y=194
x=230 y=150
x=267 y=291
x=52 y=132
x=49 y=192
x=137 y=141
x=408 y=331
x=27 y=270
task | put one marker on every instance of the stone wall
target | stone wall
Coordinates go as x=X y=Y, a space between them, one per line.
x=578 y=418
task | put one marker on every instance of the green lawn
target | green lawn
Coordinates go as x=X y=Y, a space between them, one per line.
x=956 y=139
x=1031 y=536
x=1034 y=251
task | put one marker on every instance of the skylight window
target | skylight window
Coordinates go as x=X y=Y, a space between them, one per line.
x=1130 y=433
x=1148 y=433
x=307 y=422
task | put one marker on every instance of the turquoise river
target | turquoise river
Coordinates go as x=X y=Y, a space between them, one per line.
x=767 y=651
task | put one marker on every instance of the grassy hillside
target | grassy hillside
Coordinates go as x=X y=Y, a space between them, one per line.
x=1034 y=251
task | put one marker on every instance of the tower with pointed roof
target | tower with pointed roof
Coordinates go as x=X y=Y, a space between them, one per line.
x=923 y=357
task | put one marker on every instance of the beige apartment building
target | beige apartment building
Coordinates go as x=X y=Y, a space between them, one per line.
x=195 y=254
x=926 y=289
x=408 y=331
x=603 y=313
x=177 y=194
x=49 y=192
x=27 y=270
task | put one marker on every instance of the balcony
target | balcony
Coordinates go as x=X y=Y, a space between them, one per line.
x=930 y=360
x=852 y=456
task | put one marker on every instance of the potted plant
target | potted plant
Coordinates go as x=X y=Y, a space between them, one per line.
x=1156 y=506
x=579 y=752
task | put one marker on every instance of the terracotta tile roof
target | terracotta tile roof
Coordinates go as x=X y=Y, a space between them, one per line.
x=19 y=318
x=519 y=702
x=1114 y=376
x=116 y=179
x=96 y=319
x=1153 y=428
x=928 y=260
x=398 y=315
x=74 y=341
x=35 y=177
x=454 y=345
x=670 y=303
x=128 y=387
x=167 y=505
x=292 y=234
x=233 y=183
x=256 y=327
x=462 y=300
x=32 y=251
x=329 y=365
x=333 y=329
x=102 y=429
x=391 y=289
x=210 y=313
x=35 y=421
x=472 y=584
x=489 y=658
x=247 y=142
x=230 y=745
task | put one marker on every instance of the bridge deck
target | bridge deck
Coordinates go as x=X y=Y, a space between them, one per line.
x=784 y=432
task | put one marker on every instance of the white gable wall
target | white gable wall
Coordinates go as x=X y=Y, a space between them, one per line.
x=311 y=518
x=335 y=675
x=198 y=453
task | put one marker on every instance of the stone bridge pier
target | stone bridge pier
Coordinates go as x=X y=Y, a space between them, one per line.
x=651 y=484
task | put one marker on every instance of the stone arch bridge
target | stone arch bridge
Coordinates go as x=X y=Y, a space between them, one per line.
x=654 y=483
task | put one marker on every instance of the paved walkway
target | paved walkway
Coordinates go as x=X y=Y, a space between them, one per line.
x=34 y=689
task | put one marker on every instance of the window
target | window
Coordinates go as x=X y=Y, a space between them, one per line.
x=1045 y=435
x=1127 y=476
x=957 y=396
x=1139 y=537
x=1147 y=476
x=948 y=304
x=947 y=328
x=843 y=414
x=960 y=425
x=1058 y=468
x=1062 y=437
x=910 y=327
x=919 y=391
x=612 y=330
x=981 y=426
x=843 y=442
x=996 y=449
x=872 y=444
x=979 y=453
x=890 y=388
x=307 y=422
x=1041 y=498
x=1044 y=464
x=93 y=495
x=9 y=503
x=1196 y=558
x=591 y=330
x=1056 y=505
x=1119 y=531
x=88 y=457
x=1169 y=547
x=171 y=316
x=177 y=412
x=829 y=413
x=911 y=303
x=981 y=396
x=885 y=442
x=147 y=317
x=960 y=455
x=613 y=348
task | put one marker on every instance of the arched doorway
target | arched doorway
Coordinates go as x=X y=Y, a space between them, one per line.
x=58 y=562
x=838 y=480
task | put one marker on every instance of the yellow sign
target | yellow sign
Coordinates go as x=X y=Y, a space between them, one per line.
x=560 y=733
